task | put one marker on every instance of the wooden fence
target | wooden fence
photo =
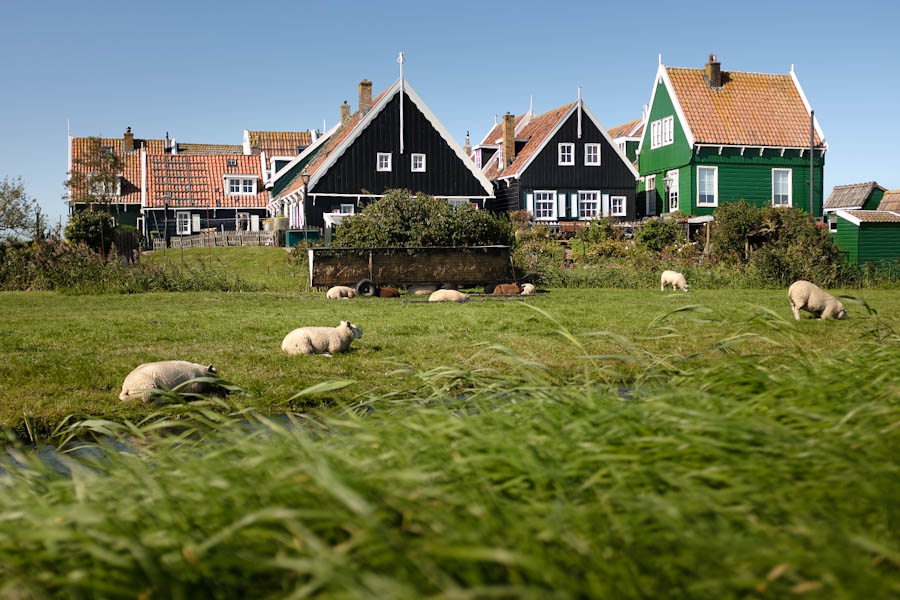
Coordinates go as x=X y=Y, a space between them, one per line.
x=227 y=238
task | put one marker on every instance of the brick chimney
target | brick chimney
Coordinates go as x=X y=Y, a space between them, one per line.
x=467 y=149
x=365 y=96
x=509 y=139
x=713 y=72
x=345 y=113
x=128 y=141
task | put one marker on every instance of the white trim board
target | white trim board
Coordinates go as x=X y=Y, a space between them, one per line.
x=306 y=152
x=808 y=107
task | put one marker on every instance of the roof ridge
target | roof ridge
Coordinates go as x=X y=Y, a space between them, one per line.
x=788 y=74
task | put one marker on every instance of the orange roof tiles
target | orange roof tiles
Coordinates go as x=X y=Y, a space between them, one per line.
x=753 y=109
x=279 y=143
x=874 y=216
x=890 y=201
x=185 y=180
x=494 y=137
x=625 y=130
x=131 y=161
x=210 y=149
x=537 y=129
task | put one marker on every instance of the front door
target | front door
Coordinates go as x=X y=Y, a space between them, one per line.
x=672 y=190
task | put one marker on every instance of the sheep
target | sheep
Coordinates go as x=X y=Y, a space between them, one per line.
x=388 y=292
x=813 y=299
x=507 y=289
x=420 y=290
x=321 y=340
x=528 y=289
x=673 y=278
x=340 y=292
x=448 y=296
x=146 y=378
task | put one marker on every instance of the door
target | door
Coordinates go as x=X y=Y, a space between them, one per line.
x=650 y=193
x=254 y=222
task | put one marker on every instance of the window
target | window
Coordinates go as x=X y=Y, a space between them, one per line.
x=617 y=206
x=592 y=155
x=588 y=205
x=241 y=186
x=104 y=186
x=832 y=224
x=781 y=187
x=544 y=205
x=707 y=186
x=247 y=186
x=183 y=223
x=384 y=161
x=566 y=154
x=662 y=132
x=457 y=202
x=672 y=190
x=650 y=193
x=348 y=209
x=418 y=163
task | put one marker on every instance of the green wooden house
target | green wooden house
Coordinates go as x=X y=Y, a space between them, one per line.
x=856 y=196
x=868 y=235
x=712 y=136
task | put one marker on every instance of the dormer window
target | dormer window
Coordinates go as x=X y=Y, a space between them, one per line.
x=566 y=154
x=383 y=162
x=240 y=185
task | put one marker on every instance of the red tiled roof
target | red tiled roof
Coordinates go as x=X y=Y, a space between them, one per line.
x=210 y=149
x=890 y=201
x=625 y=130
x=197 y=180
x=495 y=135
x=537 y=129
x=279 y=143
x=131 y=161
x=753 y=109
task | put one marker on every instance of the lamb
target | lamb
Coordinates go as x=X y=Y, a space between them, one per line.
x=388 y=292
x=340 y=292
x=321 y=340
x=673 y=278
x=420 y=290
x=813 y=299
x=528 y=289
x=166 y=374
x=507 y=289
x=448 y=296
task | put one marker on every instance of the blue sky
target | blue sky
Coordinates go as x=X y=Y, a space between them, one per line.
x=205 y=70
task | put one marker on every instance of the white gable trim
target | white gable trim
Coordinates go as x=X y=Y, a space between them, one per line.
x=559 y=125
x=635 y=128
x=306 y=152
x=847 y=217
x=375 y=111
x=663 y=75
x=808 y=106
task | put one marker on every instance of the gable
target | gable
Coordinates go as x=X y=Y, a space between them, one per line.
x=663 y=105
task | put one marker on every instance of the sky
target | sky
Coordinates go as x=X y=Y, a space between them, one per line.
x=204 y=71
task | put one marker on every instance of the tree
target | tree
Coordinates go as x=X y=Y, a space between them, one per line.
x=93 y=228
x=16 y=209
x=96 y=179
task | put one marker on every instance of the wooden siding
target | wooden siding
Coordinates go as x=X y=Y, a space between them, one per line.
x=288 y=177
x=873 y=200
x=878 y=242
x=355 y=171
x=612 y=177
x=847 y=239
x=667 y=157
x=507 y=198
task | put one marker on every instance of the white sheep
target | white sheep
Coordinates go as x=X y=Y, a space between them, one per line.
x=321 y=340
x=420 y=290
x=673 y=278
x=527 y=289
x=166 y=374
x=448 y=296
x=340 y=292
x=813 y=299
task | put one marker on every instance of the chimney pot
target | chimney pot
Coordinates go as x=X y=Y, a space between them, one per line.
x=365 y=96
x=509 y=139
x=345 y=113
x=713 y=72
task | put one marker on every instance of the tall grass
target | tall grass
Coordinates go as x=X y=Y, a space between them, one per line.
x=755 y=476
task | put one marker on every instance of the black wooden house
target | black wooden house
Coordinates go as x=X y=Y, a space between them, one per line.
x=393 y=142
x=560 y=166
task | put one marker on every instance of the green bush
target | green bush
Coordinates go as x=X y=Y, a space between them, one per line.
x=735 y=223
x=89 y=227
x=656 y=235
x=535 y=252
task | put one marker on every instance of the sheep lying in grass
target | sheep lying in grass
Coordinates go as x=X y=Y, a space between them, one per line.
x=528 y=289
x=420 y=290
x=321 y=340
x=507 y=289
x=673 y=278
x=166 y=374
x=388 y=292
x=448 y=296
x=813 y=299
x=340 y=292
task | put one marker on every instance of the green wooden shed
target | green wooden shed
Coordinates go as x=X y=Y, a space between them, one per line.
x=868 y=235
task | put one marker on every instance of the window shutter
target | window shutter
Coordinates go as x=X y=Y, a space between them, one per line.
x=605 y=205
x=529 y=203
x=562 y=205
x=195 y=225
x=575 y=205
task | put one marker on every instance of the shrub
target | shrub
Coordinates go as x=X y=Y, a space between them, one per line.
x=656 y=235
x=89 y=227
x=536 y=251
x=735 y=223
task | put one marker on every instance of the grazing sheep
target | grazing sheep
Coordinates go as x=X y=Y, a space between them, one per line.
x=448 y=296
x=673 y=278
x=507 y=289
x=321 y=340
x=388 y=292
x=528 y=289
x=340 y=292
x=813 y=299
x=166 y=374
x=421 y=290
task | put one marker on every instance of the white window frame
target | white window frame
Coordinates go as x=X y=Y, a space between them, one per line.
x=832 y=225
x=588 y=163
x=569 y=147
x=552 y=201
x=672 y=190
x=348 y=209
x=412 y=163
x=183 y=222
x=383 y=167
x=596 y=201
x=715 y=203
x=240 y=185
x=790 y=187
x=662 y=132
x=623 y=211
